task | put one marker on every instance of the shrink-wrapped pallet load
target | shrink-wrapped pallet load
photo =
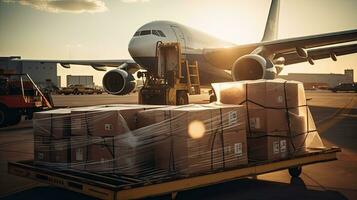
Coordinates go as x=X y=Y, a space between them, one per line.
x=52 y=137
x=196 y=138
x=105 y=130
x=85 y=138
x=279 y=123
x=53 y=124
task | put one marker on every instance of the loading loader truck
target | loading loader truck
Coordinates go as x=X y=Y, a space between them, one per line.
x=20 y=96
x=172 y=79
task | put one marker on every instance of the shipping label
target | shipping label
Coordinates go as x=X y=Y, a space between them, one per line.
x=108 y=127
x=276 y=148
x=238 y=149
x=232 y=117
x=41 y=155
x=79 y=154
x=280 y=99
x=282 y=146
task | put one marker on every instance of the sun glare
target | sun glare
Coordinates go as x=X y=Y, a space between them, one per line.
x=196 y=129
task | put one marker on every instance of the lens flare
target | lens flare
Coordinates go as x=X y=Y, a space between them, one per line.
x=196 y=129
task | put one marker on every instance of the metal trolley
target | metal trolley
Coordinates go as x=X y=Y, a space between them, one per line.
x=125 y=187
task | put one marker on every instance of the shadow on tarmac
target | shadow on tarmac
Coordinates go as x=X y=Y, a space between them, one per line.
x=260 y=189
x=47 y=192
x=240 y=189
x=337 y=126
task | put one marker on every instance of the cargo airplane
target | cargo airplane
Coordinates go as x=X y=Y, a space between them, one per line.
x=219 y=60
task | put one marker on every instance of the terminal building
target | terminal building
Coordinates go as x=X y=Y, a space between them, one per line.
x=41 y=73
x=313 y=81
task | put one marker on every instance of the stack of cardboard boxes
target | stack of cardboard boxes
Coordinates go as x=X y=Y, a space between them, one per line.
x=134 y=139
x=86 y=138
x=261 y=120
x=52 y=137
x=276 y=116
x=197 y=138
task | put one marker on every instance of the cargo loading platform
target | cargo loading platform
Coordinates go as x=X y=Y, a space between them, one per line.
x=113 y=186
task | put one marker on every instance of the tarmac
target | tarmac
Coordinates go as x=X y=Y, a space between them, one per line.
x=335 y=115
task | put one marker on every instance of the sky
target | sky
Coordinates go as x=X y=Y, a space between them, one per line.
x=102 y=29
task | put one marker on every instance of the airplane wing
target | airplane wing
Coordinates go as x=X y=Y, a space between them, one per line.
x=319 y=53
x=224 y=57
x=126 y=64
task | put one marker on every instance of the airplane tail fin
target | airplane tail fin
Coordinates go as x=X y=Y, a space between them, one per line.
x=271 y=27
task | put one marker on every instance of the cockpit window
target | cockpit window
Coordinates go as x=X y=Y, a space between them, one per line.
x=161 y=33
x=155 y=32
x=145 y=32
x=158 y=33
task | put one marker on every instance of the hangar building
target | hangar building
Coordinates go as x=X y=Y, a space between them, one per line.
x=328 y=80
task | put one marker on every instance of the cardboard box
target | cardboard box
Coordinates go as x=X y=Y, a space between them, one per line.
x=274 y=121
x=281 y=93
x=266 y=93
x=52 y=123
x=234 y=148
x=79 y=154
x=136 y=148
x=135 y=155
x=190 y=136
x=106 y=121
x=101 y=155
x=80 y=120
x=52 y=152
x=267 y=148
x=41 y=150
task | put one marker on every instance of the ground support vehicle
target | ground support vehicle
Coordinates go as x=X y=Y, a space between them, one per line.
x=119 y=186
x=19 y=96
x=79 y=89
x=345 y=87
x=171 y=80
x=73 y=89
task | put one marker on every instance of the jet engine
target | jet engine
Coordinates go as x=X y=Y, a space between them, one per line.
x=252 y=67
x=118 y=82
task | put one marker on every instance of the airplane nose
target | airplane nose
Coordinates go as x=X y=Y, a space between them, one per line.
x=143 y=50
x=142 y=47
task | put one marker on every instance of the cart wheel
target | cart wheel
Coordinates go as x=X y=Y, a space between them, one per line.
x=3 y=114
x=295 y=171
x=181 y=98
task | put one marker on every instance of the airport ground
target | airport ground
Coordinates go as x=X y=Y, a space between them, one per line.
x=335 y=115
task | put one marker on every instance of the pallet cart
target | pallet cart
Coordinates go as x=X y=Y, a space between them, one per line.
x=125 y=187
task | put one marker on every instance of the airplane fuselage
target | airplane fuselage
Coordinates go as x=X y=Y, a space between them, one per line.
x=142 y=47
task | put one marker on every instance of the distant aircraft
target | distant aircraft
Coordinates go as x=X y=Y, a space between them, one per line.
x=264 y=59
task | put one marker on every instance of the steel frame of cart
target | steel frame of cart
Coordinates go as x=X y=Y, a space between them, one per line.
x=122 y=187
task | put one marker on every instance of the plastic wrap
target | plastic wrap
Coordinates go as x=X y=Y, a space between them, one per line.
x=145 y=141
x=279 y=122
x=253 y=121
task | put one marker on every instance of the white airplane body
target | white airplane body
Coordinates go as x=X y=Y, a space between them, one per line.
x=142 y=47
x=264 y=59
